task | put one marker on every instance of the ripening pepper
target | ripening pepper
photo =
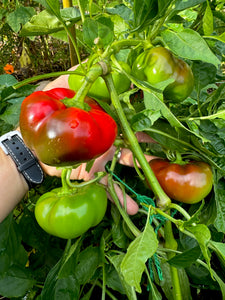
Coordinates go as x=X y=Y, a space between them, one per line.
x=99 y=89
x=158 y=64
x=189 y=183
x=61 y=135
x=69 y=213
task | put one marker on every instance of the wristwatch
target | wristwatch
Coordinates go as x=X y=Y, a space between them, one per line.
x=27 y=164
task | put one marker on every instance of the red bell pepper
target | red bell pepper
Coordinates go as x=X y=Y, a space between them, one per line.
x=61 y=135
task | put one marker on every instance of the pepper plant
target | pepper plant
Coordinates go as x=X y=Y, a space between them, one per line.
x=173 y=248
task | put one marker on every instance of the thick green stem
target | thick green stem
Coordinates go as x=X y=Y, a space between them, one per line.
x=94 y=72
x=163 y=200
x=44 y=76
x=118 y=45
x=171 y=243
x=64 y=175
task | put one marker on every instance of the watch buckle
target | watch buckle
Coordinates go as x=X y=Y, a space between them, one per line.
x=8 y=136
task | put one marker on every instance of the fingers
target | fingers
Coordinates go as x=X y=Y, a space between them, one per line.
x=128 y=202
x=144 y=138
x=126 y=158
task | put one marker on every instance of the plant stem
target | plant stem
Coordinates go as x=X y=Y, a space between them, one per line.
x=158 y=24
x=103 y=282
x=73 y=56
x=178 y=223
x=94 y=72
x=81 y=11
x=163 y=200
x=65 y=254
x=64 y=175
x=118 y=45
x=114 y=196
x=73 y=42
x=171 y=243
x=181 y=210
x=84 y=183
x=107 y=291
x=43 y=76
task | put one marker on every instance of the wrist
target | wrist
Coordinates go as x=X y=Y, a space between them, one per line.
x=13 y=185
x=25 y=161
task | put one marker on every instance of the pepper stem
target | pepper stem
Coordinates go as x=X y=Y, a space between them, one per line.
x=82 y=184
x=171 y=243
x=64 y=174
x=163 y=200
x=95 y=71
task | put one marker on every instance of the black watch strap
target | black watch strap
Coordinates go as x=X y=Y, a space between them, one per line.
x=27 y=164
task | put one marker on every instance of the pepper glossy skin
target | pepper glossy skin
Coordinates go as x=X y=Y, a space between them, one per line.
x=98 y=89
x=188 y=183
x=159 y=64
x=61 y=135
x=69 y=213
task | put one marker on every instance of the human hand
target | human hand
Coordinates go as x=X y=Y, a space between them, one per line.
x=80 y=173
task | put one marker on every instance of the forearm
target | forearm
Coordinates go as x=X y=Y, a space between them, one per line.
x=13 y=185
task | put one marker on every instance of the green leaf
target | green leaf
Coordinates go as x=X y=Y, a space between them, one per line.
x=7 y=80
x=190 y=45
x=123 y=11
x=142 y=248
x=54 y=7
x=70 y=14
x=182 y=5
x=144 y=119
x=221 y=284
x=41 y=24
x=15 y=279
x=16 y=282
x=220 y=38
x=119 y=237
x=186 y=258
x=202 y=235
x=167 y=282
x=87 y=263
x=208 y=20
x=98 y=31
x=219 y=189
x=60 y=288
x=214 y=135
x=219 y=249
x=204 y=74
x=144 y=12
x=116 y=261
x=19 y=16
x=154 y=293
x=153 y=101
x=12 y=114
x=147 y=12
x=11 y=249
